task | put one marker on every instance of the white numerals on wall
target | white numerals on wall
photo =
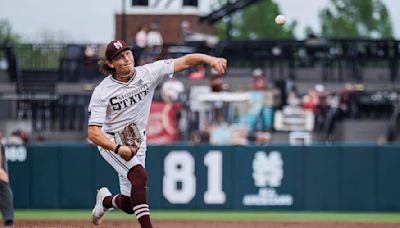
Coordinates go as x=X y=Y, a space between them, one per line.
x=214 y=193
x=179 y=181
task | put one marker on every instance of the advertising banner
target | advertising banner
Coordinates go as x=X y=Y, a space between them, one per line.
x=162 y=127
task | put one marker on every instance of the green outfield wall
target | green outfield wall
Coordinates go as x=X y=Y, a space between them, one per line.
x=331 y=178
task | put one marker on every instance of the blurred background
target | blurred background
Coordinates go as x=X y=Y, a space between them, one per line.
x=328 y=76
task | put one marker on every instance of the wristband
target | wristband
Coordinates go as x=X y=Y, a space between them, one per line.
x=116 y=149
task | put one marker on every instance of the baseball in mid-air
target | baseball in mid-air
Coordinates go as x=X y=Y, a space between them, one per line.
x=280 y=19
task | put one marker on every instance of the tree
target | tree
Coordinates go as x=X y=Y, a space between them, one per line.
x=257 y=22
x=5 y=32
x=355 y=19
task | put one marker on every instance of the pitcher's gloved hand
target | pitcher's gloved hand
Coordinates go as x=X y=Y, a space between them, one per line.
x=129 y=139
x=127 y=152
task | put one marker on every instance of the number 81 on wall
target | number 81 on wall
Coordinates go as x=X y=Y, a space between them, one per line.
x=179 y=180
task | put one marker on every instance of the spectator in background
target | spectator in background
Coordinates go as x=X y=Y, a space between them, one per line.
x=141 y=43
x=172 y=89
x=200 y=137
x=345 y=99
x=90 y=55
x=141 y=36
x=217 y=85
x=154 y=40
x=259 y=82
x=315 y=99
x=185 y=31
x=259 y=137
x=321 y=111
x=330 y=117
x=6 y=196
x=18 y=137
x=292 y=99
x=322 y=94
x=310 y=101
x=258 y=133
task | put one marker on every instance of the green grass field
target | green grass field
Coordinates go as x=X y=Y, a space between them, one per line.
x=218 y=215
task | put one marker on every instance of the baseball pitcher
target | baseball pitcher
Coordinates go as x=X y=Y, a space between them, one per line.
x=118 y=115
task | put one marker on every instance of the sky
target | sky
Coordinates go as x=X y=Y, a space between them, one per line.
x=93 y=20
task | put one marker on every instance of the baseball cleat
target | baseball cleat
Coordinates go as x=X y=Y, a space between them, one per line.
x=99 y=210
x=9 y=223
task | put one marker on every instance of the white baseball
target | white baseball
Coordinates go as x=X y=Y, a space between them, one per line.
x=280 y=19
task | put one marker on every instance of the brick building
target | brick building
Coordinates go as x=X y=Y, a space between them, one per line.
x=168 y=14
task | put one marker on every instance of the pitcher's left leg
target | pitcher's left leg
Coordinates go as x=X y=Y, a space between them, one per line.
x=138 y=178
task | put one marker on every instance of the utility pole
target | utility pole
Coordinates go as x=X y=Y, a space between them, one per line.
x=229 y=23
x=123 y=22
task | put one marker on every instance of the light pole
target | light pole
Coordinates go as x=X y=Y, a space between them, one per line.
x=123 y=22
x=229 y=23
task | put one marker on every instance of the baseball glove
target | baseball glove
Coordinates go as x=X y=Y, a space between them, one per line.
x=129 y=136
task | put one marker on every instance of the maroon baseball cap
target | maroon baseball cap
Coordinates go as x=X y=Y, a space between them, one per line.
x=115 y=47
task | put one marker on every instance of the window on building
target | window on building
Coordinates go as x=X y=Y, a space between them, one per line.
x=190 y=3
x=140 y=2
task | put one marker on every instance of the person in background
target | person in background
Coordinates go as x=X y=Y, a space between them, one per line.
x=6 y=196
x=17 y=137
x=259 y=80
x=154 y=40
x=185 y=31
x=171 y=89
x=141 y=43
x=217 y=85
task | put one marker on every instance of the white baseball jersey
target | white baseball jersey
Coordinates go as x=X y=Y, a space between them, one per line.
x=115 y=104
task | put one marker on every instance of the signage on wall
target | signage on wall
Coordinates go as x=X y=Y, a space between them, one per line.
x=180 y=181
x=15 y=153
x=267 y=174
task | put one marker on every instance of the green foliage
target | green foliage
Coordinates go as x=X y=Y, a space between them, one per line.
x=39 y=56
x=6 y=34
x=31 y=56
x=356 y=19
x=257 y=22
x=220 y=30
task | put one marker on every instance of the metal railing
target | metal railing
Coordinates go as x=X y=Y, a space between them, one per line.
x=75 y=62
x=332 y=55
x=50 y=113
